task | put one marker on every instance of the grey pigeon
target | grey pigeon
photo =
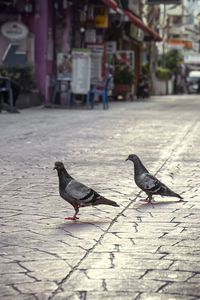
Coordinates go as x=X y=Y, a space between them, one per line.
x=76 y=193
x=147 y=182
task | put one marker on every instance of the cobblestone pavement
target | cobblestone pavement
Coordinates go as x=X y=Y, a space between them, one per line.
x=136 y=251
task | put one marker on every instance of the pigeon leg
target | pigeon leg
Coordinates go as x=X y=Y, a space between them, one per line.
x=76 y=212
x=147 y=199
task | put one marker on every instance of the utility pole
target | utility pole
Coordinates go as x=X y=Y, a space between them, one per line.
x=153 y=17
x=165 y=40
x=164 y=37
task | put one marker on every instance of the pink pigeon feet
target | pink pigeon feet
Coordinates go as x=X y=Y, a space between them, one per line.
x=146 y=200
x=72 y=218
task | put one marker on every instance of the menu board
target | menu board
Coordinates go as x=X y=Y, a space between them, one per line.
x=98 y=53
x=81 y=69
x=96 y=67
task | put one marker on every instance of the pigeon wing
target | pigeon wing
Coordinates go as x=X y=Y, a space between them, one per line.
x=80 y=193
x=150 y=184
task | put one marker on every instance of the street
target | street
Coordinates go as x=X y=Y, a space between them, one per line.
x=136 y=251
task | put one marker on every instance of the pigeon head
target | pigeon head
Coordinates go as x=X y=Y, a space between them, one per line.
x=132 y=157
x=58 y=165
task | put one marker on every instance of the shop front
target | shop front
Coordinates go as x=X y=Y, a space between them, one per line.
x=17 y=51
x=79 y=41
x=113 y=37
x=27 y=43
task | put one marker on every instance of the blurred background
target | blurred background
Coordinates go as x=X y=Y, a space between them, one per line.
x=65 y=45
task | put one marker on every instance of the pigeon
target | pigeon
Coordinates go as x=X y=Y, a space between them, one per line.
x=147 y=182
x=76 y=193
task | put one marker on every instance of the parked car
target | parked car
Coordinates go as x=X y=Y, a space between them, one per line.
x=193 y=82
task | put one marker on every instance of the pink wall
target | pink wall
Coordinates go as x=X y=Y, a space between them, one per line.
x=40 y=24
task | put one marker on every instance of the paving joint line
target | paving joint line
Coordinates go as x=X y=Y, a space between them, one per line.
x=90 y=250
x=178 y=145
x=116 y=217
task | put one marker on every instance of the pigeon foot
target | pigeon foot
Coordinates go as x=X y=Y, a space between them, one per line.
x=146 y=200
x=72 y=218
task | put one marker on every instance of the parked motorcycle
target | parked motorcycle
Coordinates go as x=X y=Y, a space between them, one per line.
x=143 y=88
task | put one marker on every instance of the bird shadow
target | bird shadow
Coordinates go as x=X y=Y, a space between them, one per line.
x=84 y=224
x=158 y=203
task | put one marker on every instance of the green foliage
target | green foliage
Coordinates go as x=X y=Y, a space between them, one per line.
x=173 y=61
x=145 y=69
x=23 y=75
x=159 y=61
x=123 y=76
x=163 y=73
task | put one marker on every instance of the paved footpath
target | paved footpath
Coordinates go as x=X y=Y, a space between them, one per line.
x=136 y=251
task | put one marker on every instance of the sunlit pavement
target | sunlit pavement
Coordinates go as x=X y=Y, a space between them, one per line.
x=136 y=251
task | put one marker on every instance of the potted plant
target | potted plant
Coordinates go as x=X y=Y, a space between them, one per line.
x=123 y=81
x=24 y=77
x=163 y=73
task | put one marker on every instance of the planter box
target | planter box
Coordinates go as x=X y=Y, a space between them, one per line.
x=26 y=100
x=122 y=90
x=160 y=87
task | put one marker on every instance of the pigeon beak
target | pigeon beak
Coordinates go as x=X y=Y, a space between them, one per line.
x=54 y=168
x=127 y=159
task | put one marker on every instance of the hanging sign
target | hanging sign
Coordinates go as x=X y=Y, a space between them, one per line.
x=81 y=68
x=14 y=31
x=100 y=16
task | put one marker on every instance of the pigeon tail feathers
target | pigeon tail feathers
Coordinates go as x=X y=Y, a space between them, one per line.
x=147 y=182
x=170 y=193
x=102 y=200
x=179 y=196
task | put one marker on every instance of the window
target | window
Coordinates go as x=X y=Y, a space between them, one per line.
x=177 y=20
x=189 y=19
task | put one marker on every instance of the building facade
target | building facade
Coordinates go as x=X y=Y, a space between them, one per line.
x=52 y=29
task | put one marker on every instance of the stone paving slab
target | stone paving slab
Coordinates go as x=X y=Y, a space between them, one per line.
x=137 y=251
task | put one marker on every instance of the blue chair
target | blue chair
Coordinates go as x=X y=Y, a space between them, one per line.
x=99 y=89
x=5 y=86
x=58 y=88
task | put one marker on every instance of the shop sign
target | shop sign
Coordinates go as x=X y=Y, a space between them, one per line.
x=179 y=44
x=81 y=68
x=175 y=46
x=14 y=31
x=100 y=16
x=193 y=59
x=111 y=47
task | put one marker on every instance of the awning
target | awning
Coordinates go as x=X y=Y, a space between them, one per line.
x=141 y=25
x=111 y=3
